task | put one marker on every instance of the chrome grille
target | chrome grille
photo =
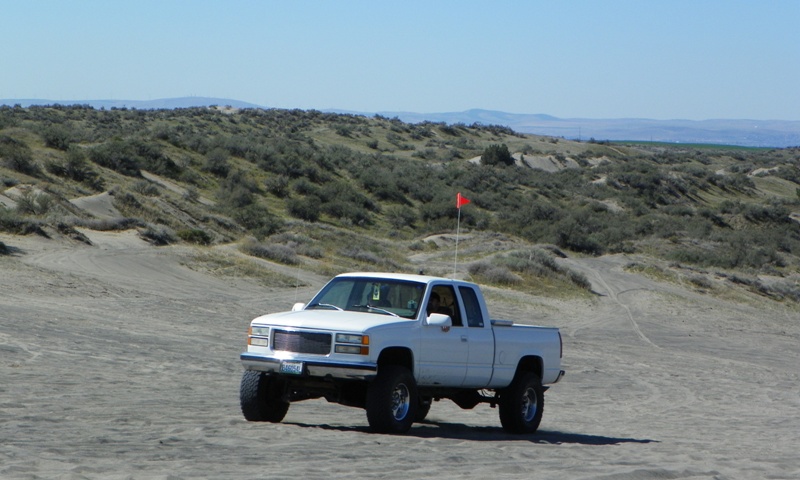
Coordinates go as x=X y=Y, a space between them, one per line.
x=301 y=342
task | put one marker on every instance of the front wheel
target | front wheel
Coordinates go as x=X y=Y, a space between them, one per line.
x=260 y=397
x=522 y=404
x=392 y=400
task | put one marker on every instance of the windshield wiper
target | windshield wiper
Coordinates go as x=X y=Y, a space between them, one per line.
x=326 y=305
x=377 y=309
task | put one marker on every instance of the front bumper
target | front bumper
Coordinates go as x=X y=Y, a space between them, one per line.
x=312 y=368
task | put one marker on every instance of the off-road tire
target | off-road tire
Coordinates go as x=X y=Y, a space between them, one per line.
x=423 y=408
x=392 y=400
x=260 y=398
x=522 y=404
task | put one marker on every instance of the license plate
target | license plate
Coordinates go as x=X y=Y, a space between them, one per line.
x=292 y=368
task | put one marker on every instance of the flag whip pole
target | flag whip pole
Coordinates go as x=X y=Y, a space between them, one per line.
x=460 y=201
x=458 y=228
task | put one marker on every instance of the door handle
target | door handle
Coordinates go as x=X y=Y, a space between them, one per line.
x=464 y=338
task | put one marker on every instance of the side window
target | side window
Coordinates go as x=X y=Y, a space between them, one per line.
x=472 y=307
x=443 y=300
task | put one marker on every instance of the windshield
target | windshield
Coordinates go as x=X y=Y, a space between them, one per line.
x=374 y=295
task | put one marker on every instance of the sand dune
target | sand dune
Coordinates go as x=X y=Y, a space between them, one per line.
x=118 y=361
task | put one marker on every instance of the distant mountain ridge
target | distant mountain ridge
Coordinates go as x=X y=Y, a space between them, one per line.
x=161 y=103
x=751 y=133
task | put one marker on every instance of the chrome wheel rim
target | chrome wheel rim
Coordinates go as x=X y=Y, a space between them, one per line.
x=401 y=401
x=530 y=404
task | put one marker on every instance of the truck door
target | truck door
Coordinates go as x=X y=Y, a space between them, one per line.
x=443 y=352
x=480 y=339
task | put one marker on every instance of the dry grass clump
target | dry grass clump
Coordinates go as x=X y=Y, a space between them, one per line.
x=271 y=251
x=517 y=267
x=227 y=265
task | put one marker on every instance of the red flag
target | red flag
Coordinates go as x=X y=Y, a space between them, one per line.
x=460 y=201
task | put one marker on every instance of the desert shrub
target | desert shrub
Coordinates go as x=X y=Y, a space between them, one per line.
x=33 y=203
x=195 y=235
x=158 y=235
x=380 y=259
x=541 y=263
x=13 y=222
x=17 y=156
x=700 y=281
x=258 y=220
x=153 y=159
x=76 y=167
x=304 y=187
x=735 y=254
x=145 y=188
x=311 y=251
x=110 y=224
x=306 y=208
x=126 y=200
x=4 y=249
x=772 y=213
x=576 y=233
x=781 y=290
x=494 y=274
x=275 y=252
x=118 y=156
x=217 y=162
x=277 y=185
x=237 y=190
x=497 y=155
x=57 y=136
x=129 y=157
x=343 y=130
x=400 y=216
x=426 y=154
x=344 y=210
x=380 y=182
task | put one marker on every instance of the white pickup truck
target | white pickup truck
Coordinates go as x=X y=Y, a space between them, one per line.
x=392 y=344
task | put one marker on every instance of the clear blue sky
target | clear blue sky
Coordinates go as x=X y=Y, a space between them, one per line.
x=689 y=59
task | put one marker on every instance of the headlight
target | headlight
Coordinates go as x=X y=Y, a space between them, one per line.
x=352 y=343
x=259 y=331
x=353 y=339
x=258 y=336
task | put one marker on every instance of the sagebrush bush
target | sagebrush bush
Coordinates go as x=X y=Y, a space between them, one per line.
x=195 y=235
x=494 y=274
x=17 y=156
x=109 y=224
x=270 y=251
x=158 y=235
x=145 y=188
x=76 y=167
x=35 y=203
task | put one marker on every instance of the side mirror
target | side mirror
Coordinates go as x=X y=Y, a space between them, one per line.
x=440 y=320
x=298 y=306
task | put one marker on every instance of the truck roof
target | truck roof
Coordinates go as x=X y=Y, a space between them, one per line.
x=402 y=276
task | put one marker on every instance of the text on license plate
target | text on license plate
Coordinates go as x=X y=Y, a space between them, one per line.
x=291 y=367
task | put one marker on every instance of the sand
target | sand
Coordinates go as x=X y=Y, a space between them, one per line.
x=118 y=361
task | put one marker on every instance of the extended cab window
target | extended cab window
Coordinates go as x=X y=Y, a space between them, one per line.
x=446 y=304
x=472 y=307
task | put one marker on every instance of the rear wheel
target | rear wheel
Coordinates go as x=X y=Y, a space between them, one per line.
x=392 y=400
x=260 y=398
x=522 y=404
